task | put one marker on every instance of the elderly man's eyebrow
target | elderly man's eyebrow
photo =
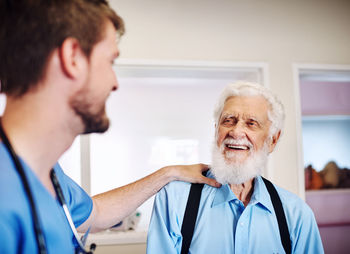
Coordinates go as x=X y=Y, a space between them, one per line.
x=250 y=118
x=228 y=116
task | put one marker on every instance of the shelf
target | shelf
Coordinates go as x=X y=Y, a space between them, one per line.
x=327 y=191
x=109 y=237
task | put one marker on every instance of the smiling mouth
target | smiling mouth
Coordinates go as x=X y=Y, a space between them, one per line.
x=237 y=147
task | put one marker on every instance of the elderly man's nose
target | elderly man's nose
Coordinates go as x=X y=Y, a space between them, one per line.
x=237 y=131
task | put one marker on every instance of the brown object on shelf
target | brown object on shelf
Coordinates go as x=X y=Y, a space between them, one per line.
x=344 y=178
x=330 y=175
x=313 y=181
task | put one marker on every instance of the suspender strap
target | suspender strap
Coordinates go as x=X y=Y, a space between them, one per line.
x=190 y=216
x=281 y=218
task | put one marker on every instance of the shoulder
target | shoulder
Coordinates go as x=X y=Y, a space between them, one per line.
x=175 y=195
x=298 y=214
x=292 y=201
x=175 y=191
x=13 y=208
x=79 y=202
x=301 y=222
x=10 y=185
x=180 y=190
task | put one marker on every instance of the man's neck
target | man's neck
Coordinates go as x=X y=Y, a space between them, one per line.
x=243 y=191
x=38 y=133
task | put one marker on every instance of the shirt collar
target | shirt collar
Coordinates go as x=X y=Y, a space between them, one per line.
x=223 y=194
x=260 y=195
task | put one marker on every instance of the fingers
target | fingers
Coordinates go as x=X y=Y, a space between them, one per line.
x=206 y=180
x=211 y=182
x=192 y=174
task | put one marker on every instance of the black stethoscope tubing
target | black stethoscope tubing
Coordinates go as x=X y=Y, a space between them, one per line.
x=36 y=223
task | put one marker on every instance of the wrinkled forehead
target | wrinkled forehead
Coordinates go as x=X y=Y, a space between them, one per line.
x=249 y=106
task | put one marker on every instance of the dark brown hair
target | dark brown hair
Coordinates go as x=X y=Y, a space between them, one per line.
x=31 y=29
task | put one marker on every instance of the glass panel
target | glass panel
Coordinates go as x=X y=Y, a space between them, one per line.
x=158 y=118
x=326 y=139
x=326 y=124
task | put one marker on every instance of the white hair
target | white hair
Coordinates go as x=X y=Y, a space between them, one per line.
x=243 y=88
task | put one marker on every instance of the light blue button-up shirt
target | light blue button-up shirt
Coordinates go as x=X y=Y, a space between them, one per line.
x=224 y=225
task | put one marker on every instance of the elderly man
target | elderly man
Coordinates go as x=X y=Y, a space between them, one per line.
x=245 y=215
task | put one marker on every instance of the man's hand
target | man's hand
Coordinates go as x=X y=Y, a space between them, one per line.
x=192 y=174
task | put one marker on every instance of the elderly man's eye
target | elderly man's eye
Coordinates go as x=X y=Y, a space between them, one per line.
x=252 y=123
x=227 y=121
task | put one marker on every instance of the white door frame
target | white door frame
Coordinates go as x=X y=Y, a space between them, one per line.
x=297 y=69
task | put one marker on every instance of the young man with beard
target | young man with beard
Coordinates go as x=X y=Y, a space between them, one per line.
x=56 y=71
x=239 y=217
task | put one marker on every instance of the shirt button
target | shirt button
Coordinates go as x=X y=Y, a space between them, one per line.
x=241 y=224
x=237 y=202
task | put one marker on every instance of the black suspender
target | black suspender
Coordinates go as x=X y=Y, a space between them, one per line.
x=190 y=216
x=191 y=212
x=281 y=218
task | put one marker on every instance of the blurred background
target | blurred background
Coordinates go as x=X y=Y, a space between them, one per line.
x=177 y=55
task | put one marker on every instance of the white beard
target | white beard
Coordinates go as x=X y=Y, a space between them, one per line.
x=227 y=172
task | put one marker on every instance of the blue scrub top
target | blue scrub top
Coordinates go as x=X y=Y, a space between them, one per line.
x=16 y=225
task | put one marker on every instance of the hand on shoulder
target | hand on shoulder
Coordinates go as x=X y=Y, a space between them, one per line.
x=191 y=173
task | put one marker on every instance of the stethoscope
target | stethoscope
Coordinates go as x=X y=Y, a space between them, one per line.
x=37 y=226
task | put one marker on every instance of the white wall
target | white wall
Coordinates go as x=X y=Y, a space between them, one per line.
x=279 y=33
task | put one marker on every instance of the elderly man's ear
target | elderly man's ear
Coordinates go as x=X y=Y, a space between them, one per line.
x=273 y=141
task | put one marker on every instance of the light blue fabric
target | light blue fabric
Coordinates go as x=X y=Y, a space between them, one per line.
x=16 y=226
x=224 y=225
